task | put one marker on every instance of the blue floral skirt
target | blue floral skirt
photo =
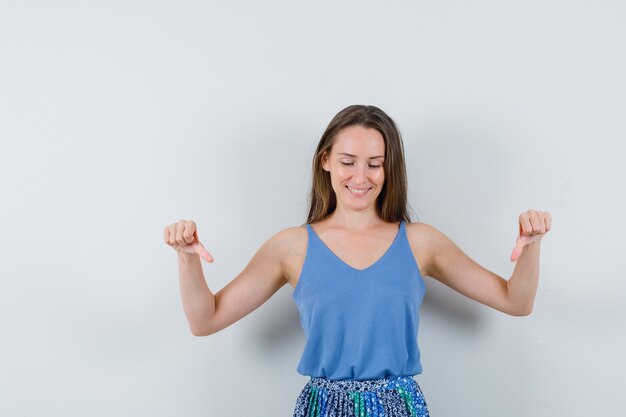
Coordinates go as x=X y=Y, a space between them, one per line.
x=385 y=397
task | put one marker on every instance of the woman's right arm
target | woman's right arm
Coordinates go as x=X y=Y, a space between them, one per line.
x=208 y=313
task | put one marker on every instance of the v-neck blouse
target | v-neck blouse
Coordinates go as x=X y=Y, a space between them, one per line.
x=359 y=323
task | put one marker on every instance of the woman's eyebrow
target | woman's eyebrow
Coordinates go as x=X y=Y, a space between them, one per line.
x=354 y=156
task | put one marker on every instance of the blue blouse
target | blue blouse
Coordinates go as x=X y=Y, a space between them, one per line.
x=359 y=323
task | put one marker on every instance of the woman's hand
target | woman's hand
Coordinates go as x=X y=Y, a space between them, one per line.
x=183 y=237
x=533 y=225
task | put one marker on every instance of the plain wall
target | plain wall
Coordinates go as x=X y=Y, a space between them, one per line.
x=120 y=117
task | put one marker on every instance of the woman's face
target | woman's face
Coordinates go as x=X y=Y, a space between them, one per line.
x=356 y=166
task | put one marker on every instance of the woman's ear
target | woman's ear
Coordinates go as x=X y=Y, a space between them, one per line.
x=325 y=166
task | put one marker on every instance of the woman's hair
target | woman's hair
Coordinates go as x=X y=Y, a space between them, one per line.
x=391 y=204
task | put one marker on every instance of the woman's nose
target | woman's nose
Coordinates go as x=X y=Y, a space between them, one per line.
x=360 y=172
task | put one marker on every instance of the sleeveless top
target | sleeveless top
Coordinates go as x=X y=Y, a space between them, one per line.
x=359 y=323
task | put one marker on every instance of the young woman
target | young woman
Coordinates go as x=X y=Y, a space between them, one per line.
x=357 y=268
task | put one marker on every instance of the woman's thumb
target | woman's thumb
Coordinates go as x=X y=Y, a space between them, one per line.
x=204 y=254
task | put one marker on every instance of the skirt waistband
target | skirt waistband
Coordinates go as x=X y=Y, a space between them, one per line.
x=384 y=397
x=379 y=384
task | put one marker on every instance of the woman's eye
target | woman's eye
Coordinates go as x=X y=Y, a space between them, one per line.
x=352 y=163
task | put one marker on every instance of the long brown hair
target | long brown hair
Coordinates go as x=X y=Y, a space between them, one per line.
x=391 y=204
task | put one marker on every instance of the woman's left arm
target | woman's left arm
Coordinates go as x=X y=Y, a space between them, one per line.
x=450 y=265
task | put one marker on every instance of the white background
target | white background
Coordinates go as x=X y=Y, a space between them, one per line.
x=120 y=117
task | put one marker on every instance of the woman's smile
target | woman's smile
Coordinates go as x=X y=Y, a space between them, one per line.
x=358 y=192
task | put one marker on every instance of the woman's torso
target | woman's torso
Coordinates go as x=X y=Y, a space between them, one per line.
x=361 y=319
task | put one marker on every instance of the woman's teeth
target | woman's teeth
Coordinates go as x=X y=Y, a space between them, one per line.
x=358 y=192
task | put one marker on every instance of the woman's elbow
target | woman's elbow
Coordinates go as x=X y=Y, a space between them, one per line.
x=521 y=312
x=199 y=331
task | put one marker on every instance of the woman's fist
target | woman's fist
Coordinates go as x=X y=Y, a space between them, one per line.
x=533 y=225
x=183 y=237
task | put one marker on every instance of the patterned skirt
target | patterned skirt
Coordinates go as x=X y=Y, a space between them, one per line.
x=385 y=397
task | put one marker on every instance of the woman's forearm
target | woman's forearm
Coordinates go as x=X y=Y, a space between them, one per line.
x=198 y=300
x=522 y=286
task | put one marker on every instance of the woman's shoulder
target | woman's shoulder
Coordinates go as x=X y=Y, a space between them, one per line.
x=422 y=232
x=426 y=232
x=419 y=227
x=290 y=240
x=292 y=232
